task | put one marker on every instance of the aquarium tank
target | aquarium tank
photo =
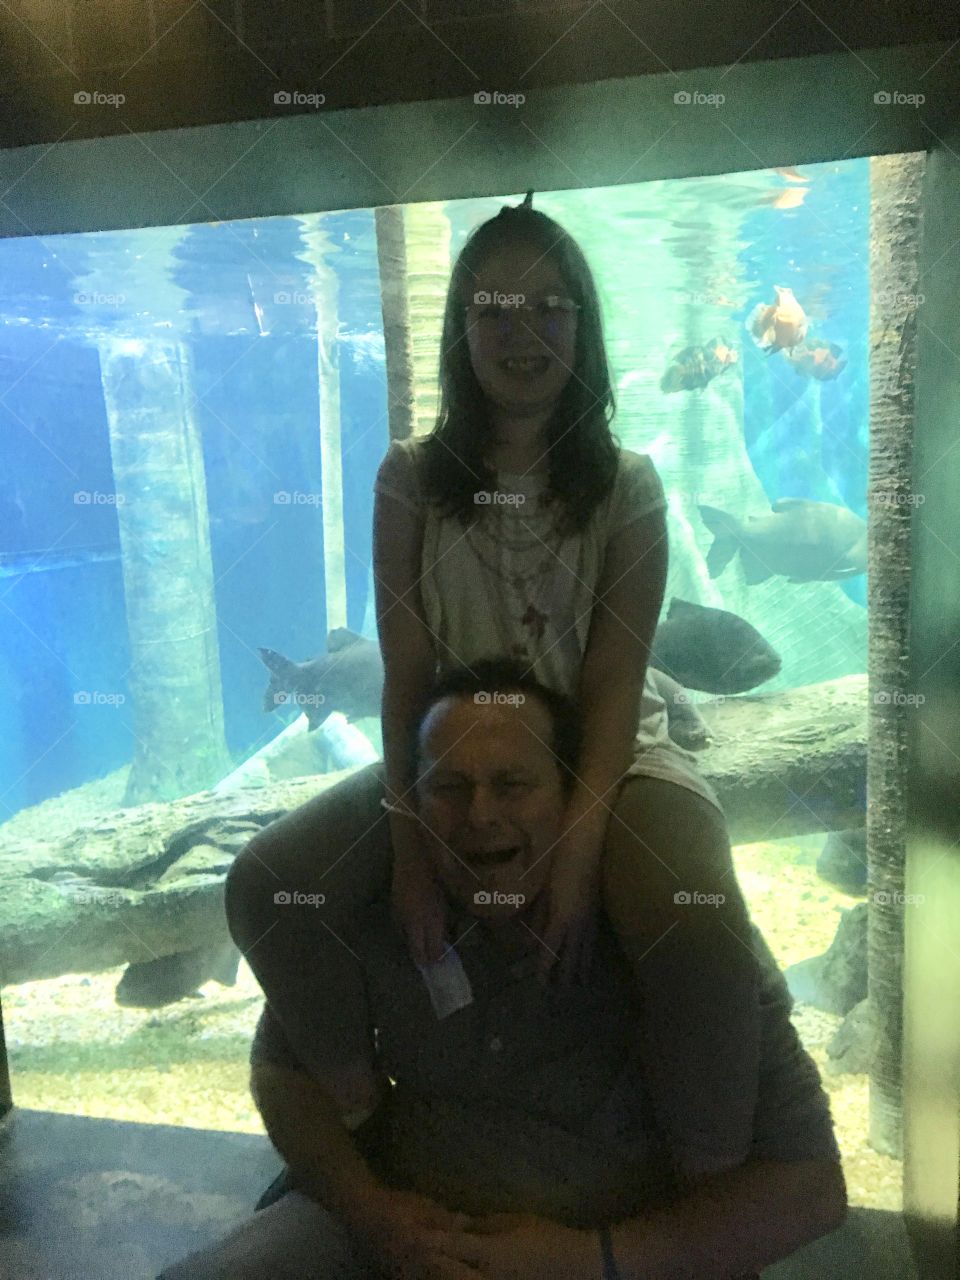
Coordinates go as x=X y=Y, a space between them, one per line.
x=193 y=418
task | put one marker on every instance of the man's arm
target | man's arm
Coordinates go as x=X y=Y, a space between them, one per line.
x=734 y=1222
x=309 y=1123
x=789 y=1191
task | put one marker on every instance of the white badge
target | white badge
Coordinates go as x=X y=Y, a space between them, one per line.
x=448 y=984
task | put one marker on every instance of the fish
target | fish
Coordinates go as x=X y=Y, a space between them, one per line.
x=712 y=650
x=843 y=860
x=821 y=360
x=802 y=541
x=347 y=678
x=778 y=325
x=153 y=983
x=694 y=367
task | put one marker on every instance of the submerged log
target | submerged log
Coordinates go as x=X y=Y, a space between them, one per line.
x=149 y=881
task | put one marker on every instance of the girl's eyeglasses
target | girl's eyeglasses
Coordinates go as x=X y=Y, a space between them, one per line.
x=550 y=315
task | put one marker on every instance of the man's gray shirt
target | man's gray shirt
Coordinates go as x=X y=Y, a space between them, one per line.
x=530 y=1099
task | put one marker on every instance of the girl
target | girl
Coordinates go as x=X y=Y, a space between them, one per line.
x=518 y=527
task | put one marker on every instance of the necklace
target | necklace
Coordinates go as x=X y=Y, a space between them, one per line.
x=504 y=546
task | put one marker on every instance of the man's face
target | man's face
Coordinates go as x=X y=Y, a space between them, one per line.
x=490 y=796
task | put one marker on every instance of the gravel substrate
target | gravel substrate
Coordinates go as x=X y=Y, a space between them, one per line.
x=73 y=1049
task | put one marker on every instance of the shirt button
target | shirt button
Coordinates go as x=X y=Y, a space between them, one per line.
x=496 y=1044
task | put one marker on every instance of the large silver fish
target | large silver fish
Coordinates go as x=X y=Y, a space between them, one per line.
x=347 y=678
x=802 y=541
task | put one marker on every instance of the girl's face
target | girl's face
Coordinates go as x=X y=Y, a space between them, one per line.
x=498 y=329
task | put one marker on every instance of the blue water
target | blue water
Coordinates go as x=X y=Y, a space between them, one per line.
x=215 y=289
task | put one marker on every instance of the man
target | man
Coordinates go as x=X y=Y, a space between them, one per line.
x=498 y=1125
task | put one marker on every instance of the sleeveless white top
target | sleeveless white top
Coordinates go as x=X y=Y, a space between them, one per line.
x=499 y=589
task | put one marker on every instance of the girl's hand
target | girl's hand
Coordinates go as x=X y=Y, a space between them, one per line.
x=566 y=915
x=419 y=904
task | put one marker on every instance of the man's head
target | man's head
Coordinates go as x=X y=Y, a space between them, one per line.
x=496 y=753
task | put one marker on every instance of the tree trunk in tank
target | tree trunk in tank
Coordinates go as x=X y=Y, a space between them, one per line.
x=168 y=582
x=894 y=253
x=394 y=303
x=428 y=237
x=318 y=253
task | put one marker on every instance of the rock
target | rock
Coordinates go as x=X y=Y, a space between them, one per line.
x=851 y=1050
x=836 y=980
x=843 y=860
x=141 y=884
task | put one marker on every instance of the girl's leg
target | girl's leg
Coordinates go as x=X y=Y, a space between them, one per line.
x=292 y=897
x=671 y=892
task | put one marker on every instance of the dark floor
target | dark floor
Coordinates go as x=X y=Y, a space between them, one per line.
x=99 y=1200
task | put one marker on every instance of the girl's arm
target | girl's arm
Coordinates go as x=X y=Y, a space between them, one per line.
x=405 y=642
x=629 y=598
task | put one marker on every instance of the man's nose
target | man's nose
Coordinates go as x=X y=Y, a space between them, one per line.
x=485 y=807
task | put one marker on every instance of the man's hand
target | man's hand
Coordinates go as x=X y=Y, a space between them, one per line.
x=522 y=1246
x=408 y=1236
